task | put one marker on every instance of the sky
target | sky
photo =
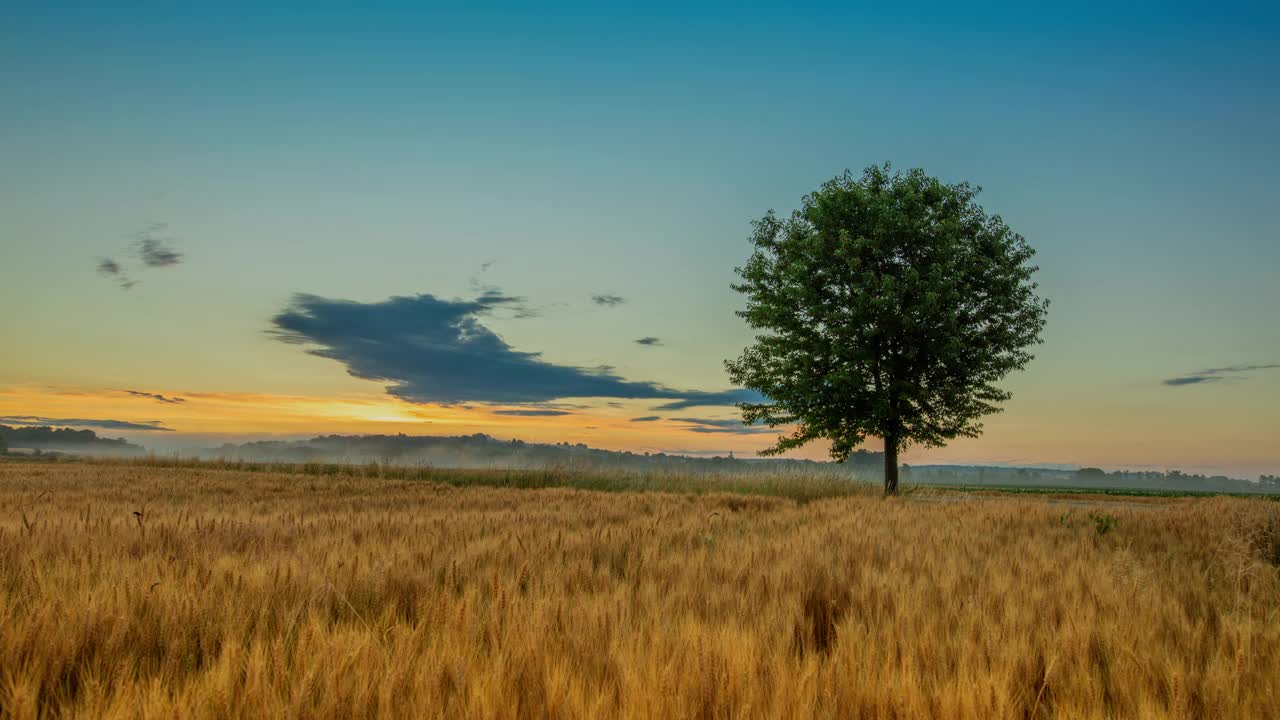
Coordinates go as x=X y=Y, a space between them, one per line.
x=235 y=221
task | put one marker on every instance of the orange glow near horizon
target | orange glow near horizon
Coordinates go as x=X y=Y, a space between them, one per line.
x=1009 y=440
x=257 y=414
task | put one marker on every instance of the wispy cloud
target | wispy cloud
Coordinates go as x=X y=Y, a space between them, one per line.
x=1192 y=380
x=608 y=300
x=430 y=350
x=735 y=427
x=109 y=268
x=646 y=418
x=153 y=247
x=533 y=413
x=1211 y=375
x=712 y=399
x=152 y=425
x=649 y=341
x=150 y=246
x=156 y=396
x=519 y=307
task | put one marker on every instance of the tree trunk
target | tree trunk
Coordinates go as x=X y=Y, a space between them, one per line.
x=890 y=465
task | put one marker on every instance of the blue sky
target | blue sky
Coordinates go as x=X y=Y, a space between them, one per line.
x=556 y=152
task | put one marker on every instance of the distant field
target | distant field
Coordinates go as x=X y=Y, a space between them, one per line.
x=136 y=590
x=797 y=485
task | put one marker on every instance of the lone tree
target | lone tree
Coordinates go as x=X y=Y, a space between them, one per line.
x=889 y=306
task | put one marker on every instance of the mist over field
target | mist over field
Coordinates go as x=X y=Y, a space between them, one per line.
x=482 y=452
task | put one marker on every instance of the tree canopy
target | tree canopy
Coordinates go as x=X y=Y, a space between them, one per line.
x=888 y=305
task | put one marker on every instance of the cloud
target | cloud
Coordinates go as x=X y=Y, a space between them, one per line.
x=524 y=312
x=649 y=341
x=532 y=413
x=710 y=399
x=430 y=350
x=646 y=418
x=608 y=300
x=156 y=396
x=735 y=427
x=1192 y=380
x=153 y=425
x=109 y=268
x=152 y=248
x=1216 y=374
x=519 y=307
x=155 y=254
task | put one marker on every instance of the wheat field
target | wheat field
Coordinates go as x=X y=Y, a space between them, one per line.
x=169 y=592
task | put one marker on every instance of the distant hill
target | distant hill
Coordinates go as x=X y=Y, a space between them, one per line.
x=484 y=451
x=65 y=440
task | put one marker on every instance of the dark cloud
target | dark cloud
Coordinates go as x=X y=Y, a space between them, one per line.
x=153 y=425
x=735 y=427
x=431 y=350
x=691 y=452
x=1237 y=369
x=608 y=300
x=1216 y=374
x=649 y=341
x=560 y=406
x=646 y=418
x=1192 y=380
x=518 y=306
x=153 y=248
x=554 y=406
x=712 y=399
x=156 y=396
x=109 y=268
x=155 y=254
x=493 y=295
x=533 y=413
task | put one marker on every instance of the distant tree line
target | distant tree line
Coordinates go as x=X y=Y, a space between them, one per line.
x=481 y=450
x=63 y=439
x=1092 y=478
